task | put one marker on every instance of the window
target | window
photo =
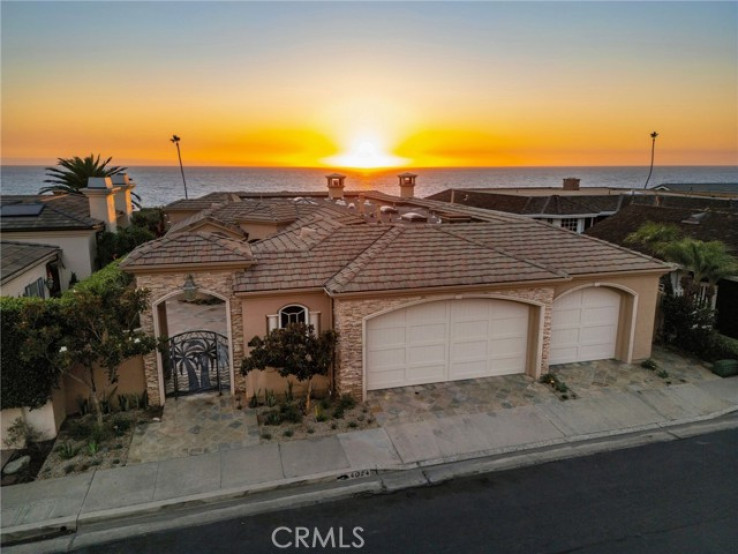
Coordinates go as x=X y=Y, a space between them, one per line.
x=293 y=313
x=38 y=288
x=571 y=223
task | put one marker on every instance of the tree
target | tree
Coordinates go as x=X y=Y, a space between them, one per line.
x=101 y=317
x=295 y=350
x=654 y=237
x=73 y=173
x=710 y=261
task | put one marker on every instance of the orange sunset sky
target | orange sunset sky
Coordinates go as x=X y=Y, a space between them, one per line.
x=371 y=84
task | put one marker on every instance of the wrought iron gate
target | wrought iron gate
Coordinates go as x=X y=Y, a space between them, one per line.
x=197 y=361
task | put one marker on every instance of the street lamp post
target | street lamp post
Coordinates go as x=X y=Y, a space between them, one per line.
x=653 y=148
x=175 y=139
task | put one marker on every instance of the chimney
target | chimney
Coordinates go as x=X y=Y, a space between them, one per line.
x=123 y=201
x=571 y=183
x=407 y=185
x=335 y=185
x=101 y=196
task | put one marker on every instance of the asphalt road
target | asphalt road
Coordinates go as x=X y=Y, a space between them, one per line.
x=679 y=496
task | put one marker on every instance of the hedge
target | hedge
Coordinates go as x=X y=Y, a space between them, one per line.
x=28 y=372
x=32 y=330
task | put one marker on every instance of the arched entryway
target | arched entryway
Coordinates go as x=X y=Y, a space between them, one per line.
x=198 y=357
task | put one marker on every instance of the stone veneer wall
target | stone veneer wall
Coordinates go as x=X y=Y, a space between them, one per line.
x=162 y=284
x=350 y=314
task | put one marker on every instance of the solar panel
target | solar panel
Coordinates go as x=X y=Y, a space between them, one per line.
x=30 y=209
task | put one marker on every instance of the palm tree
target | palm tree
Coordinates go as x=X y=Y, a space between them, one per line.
x=175 y=140
x=654 y=237
x=710 y=261
x=653 y=149
x=75 y=172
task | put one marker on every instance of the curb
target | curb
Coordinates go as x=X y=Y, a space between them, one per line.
x=384 y=479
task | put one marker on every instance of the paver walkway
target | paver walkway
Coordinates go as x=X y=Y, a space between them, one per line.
x=203 y=424
x=194 y=425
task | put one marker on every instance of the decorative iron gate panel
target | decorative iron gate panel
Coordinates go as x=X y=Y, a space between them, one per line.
x=197 y=362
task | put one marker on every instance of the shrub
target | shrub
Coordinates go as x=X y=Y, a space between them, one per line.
x=290 y=413
x=67 y=451
x=254 y=400
x=80 y=430
x=266 y=436
x=93 y=447
x=272 y=417
x=346 y=402
x=288 y=433
x=649 y=364
x=31 y=331
x=353 y=424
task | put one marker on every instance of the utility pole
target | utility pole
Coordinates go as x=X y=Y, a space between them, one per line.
x=175 y=139
x=653 y=148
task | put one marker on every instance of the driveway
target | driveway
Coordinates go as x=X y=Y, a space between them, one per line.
x=493 y=394
x=207 y=423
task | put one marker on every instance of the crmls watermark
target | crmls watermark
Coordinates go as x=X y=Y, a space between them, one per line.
x=305 y=537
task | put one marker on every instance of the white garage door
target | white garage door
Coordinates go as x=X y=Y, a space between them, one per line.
x=584 y=326
x=446 y=341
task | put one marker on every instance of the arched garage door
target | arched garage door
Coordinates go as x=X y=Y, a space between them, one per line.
x=446 y=341
x=584 y=326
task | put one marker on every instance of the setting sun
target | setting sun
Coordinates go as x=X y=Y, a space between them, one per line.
x=366 y=153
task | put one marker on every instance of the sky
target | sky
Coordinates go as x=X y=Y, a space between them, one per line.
x=350 y=84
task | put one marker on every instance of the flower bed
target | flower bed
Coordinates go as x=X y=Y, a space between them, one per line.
x=287 y=420
x=81 y=446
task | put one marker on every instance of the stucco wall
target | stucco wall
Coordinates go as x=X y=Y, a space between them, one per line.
x=79 y=249
x=350 y=315
x=17 y=286
x=255 y=311
x=168 y=285
x=45 y=420
x=259 y=230
x=131 y=379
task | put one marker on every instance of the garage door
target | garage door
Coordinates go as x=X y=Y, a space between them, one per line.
x=446 y=341
x=584 y=326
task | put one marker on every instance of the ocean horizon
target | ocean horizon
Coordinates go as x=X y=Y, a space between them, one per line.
x=159 y=185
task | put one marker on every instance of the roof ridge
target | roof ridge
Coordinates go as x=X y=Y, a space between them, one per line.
x=614 y=245
x=506 y=253
x=349 y=272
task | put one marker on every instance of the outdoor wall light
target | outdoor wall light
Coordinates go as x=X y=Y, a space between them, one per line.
x=189 y=288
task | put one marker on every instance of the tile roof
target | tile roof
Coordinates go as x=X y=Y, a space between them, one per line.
x=203 y=202
x=360 y=258
x=713 y=225
x=701 y=188
x=16 y=257
x=60 y=212
x=278 y=211
x=187 y=249
x=553 y=204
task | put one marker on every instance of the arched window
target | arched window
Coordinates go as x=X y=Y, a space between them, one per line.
x=292 y=314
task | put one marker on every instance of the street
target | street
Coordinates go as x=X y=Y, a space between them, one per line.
x=679 y=496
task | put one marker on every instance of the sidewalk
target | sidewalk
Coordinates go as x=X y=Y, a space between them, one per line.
x=33 y=509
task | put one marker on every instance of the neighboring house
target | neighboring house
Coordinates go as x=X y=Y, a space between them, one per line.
x=721 y=189
x=28 y=269
x=472 y=293
x=579 y=208
x=70 y=222
x=705 y=225
x=570 y=207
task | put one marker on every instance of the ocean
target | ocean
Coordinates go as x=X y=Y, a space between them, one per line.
x=158 y=185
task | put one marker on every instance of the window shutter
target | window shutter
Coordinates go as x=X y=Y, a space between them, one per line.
x=272 y=322
x=315 y=321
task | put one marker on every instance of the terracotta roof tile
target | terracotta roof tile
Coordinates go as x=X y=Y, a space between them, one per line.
x=190 y=249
